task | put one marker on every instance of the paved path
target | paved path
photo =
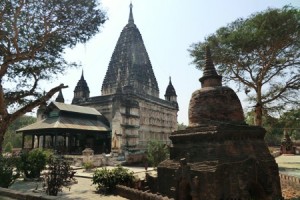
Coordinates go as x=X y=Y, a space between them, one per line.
x=84 y=189
x=81 y=190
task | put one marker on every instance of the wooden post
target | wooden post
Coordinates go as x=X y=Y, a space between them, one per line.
x=23 y=140
x=32 y=141
x=44 y=140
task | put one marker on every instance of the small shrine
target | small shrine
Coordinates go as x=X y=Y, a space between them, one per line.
x=287 y=146
x=218 y=156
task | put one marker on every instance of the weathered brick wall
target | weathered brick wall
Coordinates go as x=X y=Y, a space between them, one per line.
x=135 y=194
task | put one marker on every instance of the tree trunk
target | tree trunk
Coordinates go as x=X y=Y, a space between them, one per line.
x=3 y=129
x=258 y=114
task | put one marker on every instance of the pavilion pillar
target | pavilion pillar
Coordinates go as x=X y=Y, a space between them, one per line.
x=38 y=141
x=55 y=140
x=44 y=141
x=52 y=145
x=23 y=140
x=32 y=141
x=65 y=141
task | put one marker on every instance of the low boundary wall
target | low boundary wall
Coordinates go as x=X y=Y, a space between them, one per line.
x=14 y=194
x=290 y=179
x=133 y=194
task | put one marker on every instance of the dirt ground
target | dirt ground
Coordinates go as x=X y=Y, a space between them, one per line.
x=290 y=191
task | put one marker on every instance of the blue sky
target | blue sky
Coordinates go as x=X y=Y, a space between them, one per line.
x=168 y=28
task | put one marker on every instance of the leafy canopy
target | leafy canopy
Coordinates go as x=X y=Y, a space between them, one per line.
x=33 y=37
x=261 y=54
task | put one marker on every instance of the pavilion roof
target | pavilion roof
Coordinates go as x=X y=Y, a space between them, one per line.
x=65 y=122
x=76 y=109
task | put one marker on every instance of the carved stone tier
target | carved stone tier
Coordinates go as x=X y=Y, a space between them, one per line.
x=228 y=161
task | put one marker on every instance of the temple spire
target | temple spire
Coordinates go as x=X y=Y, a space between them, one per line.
x=82 y=77
x=210 y=76
x=209 y=68
x=130 y=20
x=60 y=97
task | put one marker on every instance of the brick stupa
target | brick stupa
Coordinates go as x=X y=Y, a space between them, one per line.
x=218 y=156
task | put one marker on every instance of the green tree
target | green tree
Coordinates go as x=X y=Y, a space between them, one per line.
x=11 y=136
x=181 y=126
x=33 y=37
x=156 y=152
x=261 y=54
x=290 y=121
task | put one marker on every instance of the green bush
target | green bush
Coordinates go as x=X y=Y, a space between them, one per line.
x=156 y=152
x=32 y=163
x=88 y=165
x=7 y=174
x=59 y=175
x=49 y=154
x=106 y=180
x=8 y=148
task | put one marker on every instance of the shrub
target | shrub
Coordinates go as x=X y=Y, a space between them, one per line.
x=49 y=154
x=156 y=152
x=106 y=180
x=59 y=175
x=8 y=148
x=88 y=165
x=7 y=174
x=32 y=163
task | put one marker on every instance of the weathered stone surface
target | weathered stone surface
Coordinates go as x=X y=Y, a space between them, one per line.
x=218 y=156
x=130 y=96
x=215 y=104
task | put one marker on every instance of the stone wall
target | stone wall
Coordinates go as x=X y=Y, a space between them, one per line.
x=24 y=195
x=131 y=193
x=136 y=119
x=290 y=179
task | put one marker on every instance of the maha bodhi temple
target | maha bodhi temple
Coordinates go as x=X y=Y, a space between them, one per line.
x=129 y=105
x=218 y=156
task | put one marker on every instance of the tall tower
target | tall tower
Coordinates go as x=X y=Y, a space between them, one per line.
x=130 y=64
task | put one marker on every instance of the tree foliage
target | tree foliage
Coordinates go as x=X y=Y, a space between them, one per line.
x=11 y=136
x=276 y=126
x=261 y=54
x=290 y=120
x=181 y=126
x=33 y=37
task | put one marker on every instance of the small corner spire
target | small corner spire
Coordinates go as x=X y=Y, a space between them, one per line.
x=60 y=97
x=130 y=20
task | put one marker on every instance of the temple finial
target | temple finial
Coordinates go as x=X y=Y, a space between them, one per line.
x=209 y=72
x=82 y=77
x=130 y=20
x=209 y=68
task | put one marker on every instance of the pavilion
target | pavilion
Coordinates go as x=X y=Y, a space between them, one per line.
x=68 y=129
